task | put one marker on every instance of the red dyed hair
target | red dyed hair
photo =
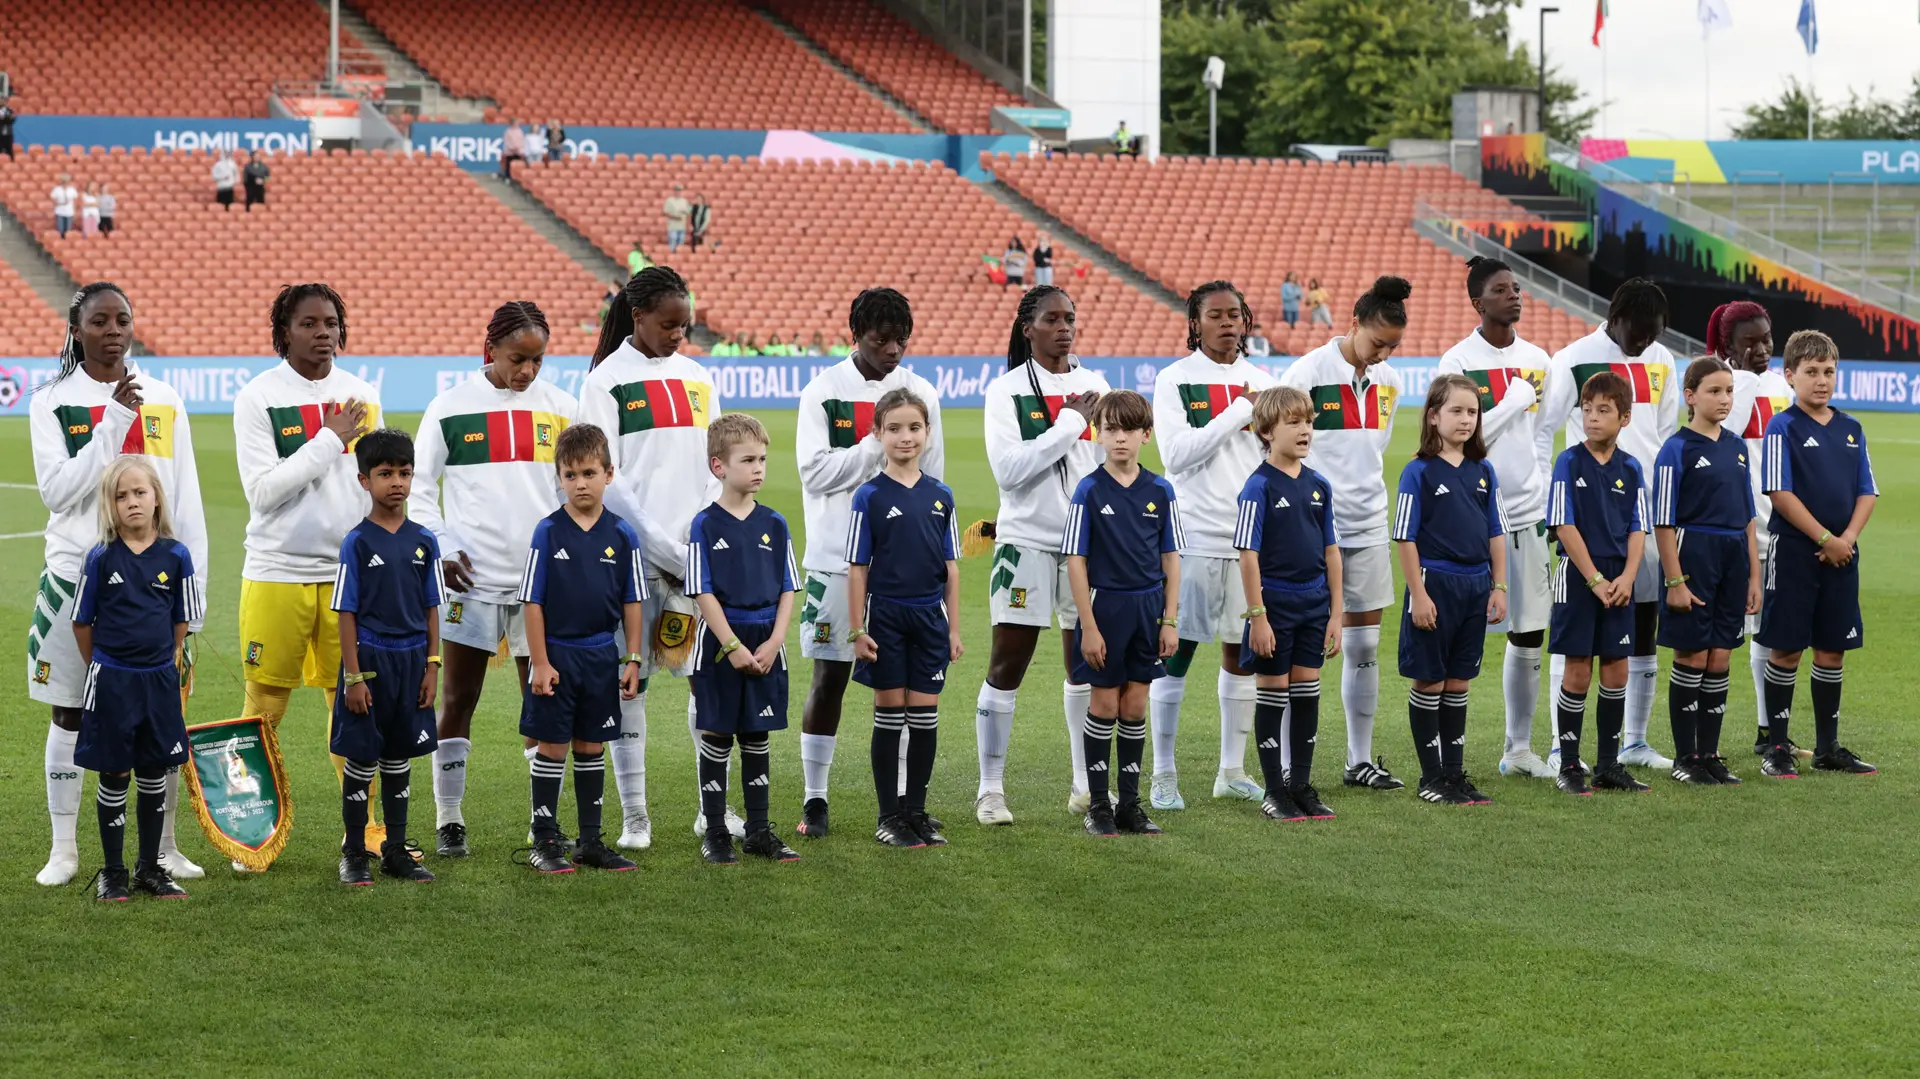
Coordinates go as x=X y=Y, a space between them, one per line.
x=1720 y=324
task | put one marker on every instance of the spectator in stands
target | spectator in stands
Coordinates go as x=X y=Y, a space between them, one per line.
x=1123 y=140
x=699 y=220
x=840 y=347
x=90 y=210
x=816 y=347
x=254 y=179
x=7 y=116
x=556 y=140
x=1014 y=263
x=676 y=210
x=536 y=143
x=108 y=206
x=606 y=301
x=637 y=260
x=1290 y=296
x=64 y=197
x=1257 y=343
x=1317 y=301
x=1043 y=261
x=225 y=175
x=513 y=147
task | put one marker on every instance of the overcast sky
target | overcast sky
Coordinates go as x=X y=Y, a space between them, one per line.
x=1657 y=68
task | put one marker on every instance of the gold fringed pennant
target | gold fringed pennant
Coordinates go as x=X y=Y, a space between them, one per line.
x=184 y=661
x=501 y=654
x=977 y=539
x=673 y=632
x=238 y=783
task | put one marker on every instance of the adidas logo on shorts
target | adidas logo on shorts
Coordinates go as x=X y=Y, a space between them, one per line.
x=177 y=748
x=767 y=711
x=422 y=737
x=376 y=560
x=1628 y=639
x=1853 y=634
x=940 y=676
x=611 y=722
x=720 y=545
x=892 y=512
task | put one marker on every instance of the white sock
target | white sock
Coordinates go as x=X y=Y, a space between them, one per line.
x=1520 y=681
x=1074 y=700
x=1163 y=707
x=1286 y=735
x=1642 y=672
x=630 y=757
x=905 y=734
x=530 y=752
x=167 y=841
x=1236 y=721
x=1557 y=673
x=63 y=787
x=816 y=760
x=992 y=730
x=450 y=780
x=1757 y=658
x=1360 y=688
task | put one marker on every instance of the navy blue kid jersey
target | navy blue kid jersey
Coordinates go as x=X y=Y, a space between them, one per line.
x=1449 y=511
x=1604 y=503
x=1123 y=530
x=387 y=580
x=905 y=534
x=133 y=601
x=582 y=578
x=1701 y=482
x=1289 y=521
x=746 y=563
x=1825 y=465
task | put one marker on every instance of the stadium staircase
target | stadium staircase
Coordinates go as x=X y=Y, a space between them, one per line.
x=402 y=70
x=814 y=47
x=552 y=227
x=1042 y=221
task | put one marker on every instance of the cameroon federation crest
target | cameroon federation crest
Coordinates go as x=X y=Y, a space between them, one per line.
x=455 y=611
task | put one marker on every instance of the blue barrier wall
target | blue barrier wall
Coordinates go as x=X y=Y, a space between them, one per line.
x=165 y=133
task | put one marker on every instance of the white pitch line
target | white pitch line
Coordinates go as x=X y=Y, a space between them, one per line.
x=20 y=486
x=22 y=535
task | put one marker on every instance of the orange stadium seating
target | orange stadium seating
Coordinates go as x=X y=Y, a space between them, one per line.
x=159 y=58
x=792 y=243
x=631 y=63
x=419 y=251
x=1182 y=221
x=884 y=49
x=29 y=327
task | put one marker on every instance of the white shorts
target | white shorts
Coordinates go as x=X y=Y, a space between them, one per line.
x=55 y=673
x=1646 y=587
x=1211 y=599
x=823 y=618
x=1766 y=558
x=1029 y=587
x=481 y=625
x=1529 y=583
x=1366 y=578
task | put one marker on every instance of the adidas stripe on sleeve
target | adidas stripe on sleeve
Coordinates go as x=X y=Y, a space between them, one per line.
x=1666 y=483
x=635 y=589
x=1496 y=513
x=697 y=570
x=190 y=601
x=1560 y=509
x=1406 y=507
x=87 y=597
x=859 y=534
x=533 y=579
x=1172 y=536
x=346 y=579
x=1776 y=464
x=1252 y=520
x=1073 y=539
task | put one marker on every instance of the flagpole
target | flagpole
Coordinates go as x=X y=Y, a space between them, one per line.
x=1603 y=82
x=1706 y=101
x=1809 y=95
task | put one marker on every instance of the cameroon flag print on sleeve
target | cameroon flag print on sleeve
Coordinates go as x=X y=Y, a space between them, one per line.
x=847 y=422
x=1494 y=382
x=1647 y=382
x=1205 y=400
x=1038 y=414
x=1336 y=407
x=151 y=433
x=296 y=425
x=673 y=402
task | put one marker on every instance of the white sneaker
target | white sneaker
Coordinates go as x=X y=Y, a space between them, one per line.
x=1527 y=763
x=179 y=866
x=735 y=824
x=62 y=864
x=991 y=808
x=241 y=869
x=1079 y=802
x=1643 y=755
x=1165 y=793
x=1240 y=787
x=636 y=832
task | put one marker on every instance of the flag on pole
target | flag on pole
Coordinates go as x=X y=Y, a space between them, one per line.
x=1808 y=26
x=1714 y=15
x=1599 y=20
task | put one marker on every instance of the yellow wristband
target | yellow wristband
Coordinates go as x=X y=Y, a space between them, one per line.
x=632 y=657
x=1169 y=621
x=856 y=633
x=1824 y=537
x=356 y=679
x=1499 y=586
x=1675 y=582
x=732 y=645
x=1252 y=613
x=433 y=659
x=1596 y=580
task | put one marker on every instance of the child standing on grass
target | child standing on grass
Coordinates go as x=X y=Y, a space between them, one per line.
x=585 y=578
x=1290 y=572
x=1597 y=506
x=137 y=594
x=1703 y=521
x=740 y=572
x=387 y=597
x=902 y=607
x=1122 y=543
x=1452 y=531
x=1817 y=472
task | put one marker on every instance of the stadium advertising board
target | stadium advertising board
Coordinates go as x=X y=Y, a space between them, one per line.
x=1844 y=161
x=407 y=383
x=166 y=133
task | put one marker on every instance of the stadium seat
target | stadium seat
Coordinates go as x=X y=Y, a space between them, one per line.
x=31 y=327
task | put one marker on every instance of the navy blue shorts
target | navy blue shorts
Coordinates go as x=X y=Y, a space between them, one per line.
x=1581 y=624
x=913 y=646
x=1130 y=624
x=1452 y=648
x=585 y=705
x=727 y=701
x=1298 y=616
x=138 y=724
x=395 y=728
x=1716 y=568
x=1809 y=604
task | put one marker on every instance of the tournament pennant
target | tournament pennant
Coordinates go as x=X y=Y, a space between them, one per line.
x=239 y=787
x=673 y=632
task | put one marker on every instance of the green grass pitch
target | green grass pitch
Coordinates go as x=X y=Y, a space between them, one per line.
x=1766 y=930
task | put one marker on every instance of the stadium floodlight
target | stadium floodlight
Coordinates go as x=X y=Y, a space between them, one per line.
x=1540 y=106
x=1212 y=78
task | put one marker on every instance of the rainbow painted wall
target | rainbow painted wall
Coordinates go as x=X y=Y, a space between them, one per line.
x=1761 y=161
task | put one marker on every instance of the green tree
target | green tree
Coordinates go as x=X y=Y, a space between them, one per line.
x=1862 y=117
x=1186 y=40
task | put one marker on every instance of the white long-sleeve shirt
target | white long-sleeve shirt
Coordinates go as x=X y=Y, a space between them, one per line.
x=1200 y=414
x=1757 y=399
x=836 y=451
x=1352 y=424
x=77 y=430
x=655 y=413
x=1509 y=379
x=483 y=475
x=302 y=485
x=1656 y=399
x=1029 y=438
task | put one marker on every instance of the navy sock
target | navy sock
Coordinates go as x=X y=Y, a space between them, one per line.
x=1423 y=715
x=1713 y=711
x=1303 y=730
x=589 y=790
x=1570 y=714
x=888 y=723
x=1269 y=713
x=715 y=751
x=356 y=787
x=756 y=761
x=150 y=809
x=1130 y=747
x=1683 y=710
x=1097 y=741
x=1453 y=732
x=921 y=746
x=1609 y=716
x=111 y=803
x=547 y=773
x=1779 y=690
x=1825 y=685
x=396 y=790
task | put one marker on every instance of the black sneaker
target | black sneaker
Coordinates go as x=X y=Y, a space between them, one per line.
x=110 y=885
x=549 y=855
x=761 y=842
x=1373 y=775
x=1279 y=805
x=717 y=848
x=813 y=819
x=1442 y=790
x=1613 y=776
x=1841 y=759
x=927 y=828
x=593 y=853
x=1716 y=765
x=1099 y=820
x=1474 y=795
x=452 y=841
x=1308 y=800
x=156 y=882
x=1132 y=818
x=1799 y=752
x=356 y=868
x=1694 y=770
x=1573 y=780
x=895 y=831
x=397 y=861
x=1778 y=763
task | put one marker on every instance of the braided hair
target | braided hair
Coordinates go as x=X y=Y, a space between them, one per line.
x=289 y=298
x=644 y=291
x=1721 y=324
x=880 y=309
x=1199 y=296
x=1480 y=270
x=1020 y=351
x=512 y=317
x=1638 y=302
x=71 y=354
